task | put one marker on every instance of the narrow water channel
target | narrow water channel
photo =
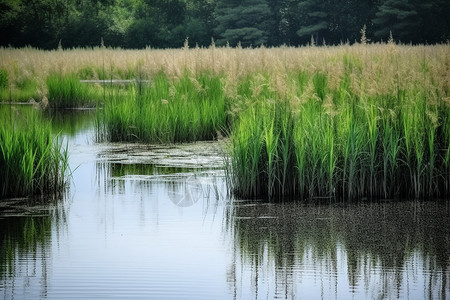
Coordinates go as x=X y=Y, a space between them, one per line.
x=156 y=222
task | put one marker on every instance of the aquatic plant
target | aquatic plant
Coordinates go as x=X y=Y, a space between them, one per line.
x=188 y=109
x=66 y=91
x=33 y=161
x=351 y=122
x=338 y=144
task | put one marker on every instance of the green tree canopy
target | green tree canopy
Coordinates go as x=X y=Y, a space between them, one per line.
x=397 y=16
x=247 y=22
x=199 y=22
x=167 y=23
x=315 y=19
x=158 y=23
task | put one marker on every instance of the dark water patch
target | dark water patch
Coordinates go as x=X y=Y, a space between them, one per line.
x=20 y=207
x=32 y=206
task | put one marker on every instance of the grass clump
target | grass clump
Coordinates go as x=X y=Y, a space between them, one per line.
x=166 y=111
x=66 y=91
x=32 y=160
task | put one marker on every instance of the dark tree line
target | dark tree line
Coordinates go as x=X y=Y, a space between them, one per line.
x=166 y=23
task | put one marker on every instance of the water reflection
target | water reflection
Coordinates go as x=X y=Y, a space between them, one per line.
x=380 y=250
x=26 y=250
x=70 y=122
x=22 y=236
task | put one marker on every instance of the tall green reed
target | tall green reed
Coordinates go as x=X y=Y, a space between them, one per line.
x=445 y=150
x=33 y=161
x=335 y=143
x=262 y=156
x=390 y=153
x=247 y=145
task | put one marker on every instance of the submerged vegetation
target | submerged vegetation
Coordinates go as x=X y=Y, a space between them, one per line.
x=33 y=160
x=350 y=122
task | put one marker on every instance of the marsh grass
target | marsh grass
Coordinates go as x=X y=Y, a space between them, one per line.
x=68 y=92
x=166 y=111
x=21 y=90
x=336 y=144
x=262 y=152
x=349 y=122
x=446 y=153
x=33 y=161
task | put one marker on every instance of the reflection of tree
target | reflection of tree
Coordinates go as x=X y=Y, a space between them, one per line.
x=369 y=249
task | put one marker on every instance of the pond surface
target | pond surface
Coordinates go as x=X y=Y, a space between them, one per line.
x=156 y=222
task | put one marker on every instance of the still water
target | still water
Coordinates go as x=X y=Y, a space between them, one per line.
x=156 y=222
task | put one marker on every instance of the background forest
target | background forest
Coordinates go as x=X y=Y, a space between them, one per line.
x=47 y=24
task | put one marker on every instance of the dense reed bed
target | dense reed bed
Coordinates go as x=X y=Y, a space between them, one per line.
x=341 y=143
x=33 y=160
x=360 y=121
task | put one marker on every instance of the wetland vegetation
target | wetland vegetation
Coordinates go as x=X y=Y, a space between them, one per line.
x=33 y=160
x=348 y=122
x=188 y=109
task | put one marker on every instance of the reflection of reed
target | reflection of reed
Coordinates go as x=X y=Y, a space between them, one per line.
x=71 y=122
x=368 y=249
x=24 y=247
x=26 y=231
